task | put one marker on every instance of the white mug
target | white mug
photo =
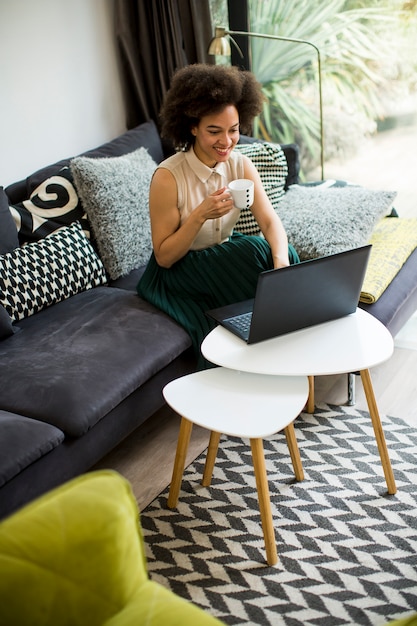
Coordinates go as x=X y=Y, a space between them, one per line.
x=242 y=191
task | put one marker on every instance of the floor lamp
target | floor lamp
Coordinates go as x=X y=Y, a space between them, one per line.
x=220 y=45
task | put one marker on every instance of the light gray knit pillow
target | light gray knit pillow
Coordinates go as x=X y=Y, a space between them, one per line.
x=320 y=222
x=115 y=194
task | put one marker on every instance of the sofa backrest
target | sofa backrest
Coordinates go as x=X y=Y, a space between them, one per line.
x=145 y=135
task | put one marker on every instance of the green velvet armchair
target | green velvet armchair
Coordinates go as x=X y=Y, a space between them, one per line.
x=75 y=556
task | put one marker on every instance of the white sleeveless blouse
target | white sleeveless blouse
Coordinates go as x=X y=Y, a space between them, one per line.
x=195 y=181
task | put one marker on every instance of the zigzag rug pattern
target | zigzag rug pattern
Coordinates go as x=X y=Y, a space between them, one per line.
x=347 y=550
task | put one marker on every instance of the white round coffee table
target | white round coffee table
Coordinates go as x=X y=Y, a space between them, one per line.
x=242 y=405
x=353 y=343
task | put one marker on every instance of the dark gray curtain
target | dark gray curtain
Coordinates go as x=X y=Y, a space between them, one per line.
x=156 y=37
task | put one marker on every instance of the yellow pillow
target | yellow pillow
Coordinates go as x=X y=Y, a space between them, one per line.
x=393 y=240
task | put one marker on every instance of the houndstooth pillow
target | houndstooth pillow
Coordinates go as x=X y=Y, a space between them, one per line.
x=269 y=159
x=45 y=272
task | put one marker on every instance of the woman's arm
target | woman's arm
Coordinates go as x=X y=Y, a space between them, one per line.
x=269 y=222
x=172 y=240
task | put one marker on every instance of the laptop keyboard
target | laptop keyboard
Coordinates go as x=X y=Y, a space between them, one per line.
x=241 y=322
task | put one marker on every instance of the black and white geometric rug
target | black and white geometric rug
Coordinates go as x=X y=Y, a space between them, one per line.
x=347 y=550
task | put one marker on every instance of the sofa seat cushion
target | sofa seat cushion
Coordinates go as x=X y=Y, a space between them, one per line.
x=23 y=441
x=74 y=362
x=130 y=281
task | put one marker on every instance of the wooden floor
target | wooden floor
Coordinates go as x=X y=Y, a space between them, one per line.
x=146 y=457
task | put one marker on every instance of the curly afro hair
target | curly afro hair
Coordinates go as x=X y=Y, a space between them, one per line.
x=198 y=90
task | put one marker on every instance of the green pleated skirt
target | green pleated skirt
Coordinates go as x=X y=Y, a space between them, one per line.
x=207 y=279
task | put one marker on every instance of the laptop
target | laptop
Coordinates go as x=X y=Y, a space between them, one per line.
x=298 y=296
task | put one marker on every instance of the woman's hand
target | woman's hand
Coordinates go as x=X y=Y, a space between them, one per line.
x=280 y=262
x=216 y=205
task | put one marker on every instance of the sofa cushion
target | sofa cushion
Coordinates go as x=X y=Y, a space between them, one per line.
x=114 y=192
x=145 y=135
x=326 y=221
x=269 y=159
x=8 y=233
x=52 y=204
x=45 y=272
x=130 y=281
x=74 y=362
x=22 y=442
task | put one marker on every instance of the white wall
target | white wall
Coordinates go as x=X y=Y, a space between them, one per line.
x=60 y=92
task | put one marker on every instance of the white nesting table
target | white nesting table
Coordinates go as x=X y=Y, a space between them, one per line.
x=353 y=343
x=242 y=405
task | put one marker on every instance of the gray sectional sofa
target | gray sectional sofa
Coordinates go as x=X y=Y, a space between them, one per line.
x=83 y=359
x=80 y=375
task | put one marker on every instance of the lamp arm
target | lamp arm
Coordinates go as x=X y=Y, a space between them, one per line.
x=308 y=43
x=278 y=37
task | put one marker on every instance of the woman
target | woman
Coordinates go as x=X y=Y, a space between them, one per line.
x=198 y=262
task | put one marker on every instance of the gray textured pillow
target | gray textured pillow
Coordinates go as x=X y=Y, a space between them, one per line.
x=115 y=194
x=326 y=221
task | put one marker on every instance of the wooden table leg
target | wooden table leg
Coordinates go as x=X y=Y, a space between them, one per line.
x=182 y=446
x=264 y=500
x=379 y=433
x=294 y=451
x=310 y=400
x=211 y=458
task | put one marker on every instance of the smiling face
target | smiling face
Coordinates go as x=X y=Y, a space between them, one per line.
x=216 y=135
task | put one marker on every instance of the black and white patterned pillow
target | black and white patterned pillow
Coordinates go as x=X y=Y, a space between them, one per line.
x=269 y=159
x=45 y=272
x=52 y=205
